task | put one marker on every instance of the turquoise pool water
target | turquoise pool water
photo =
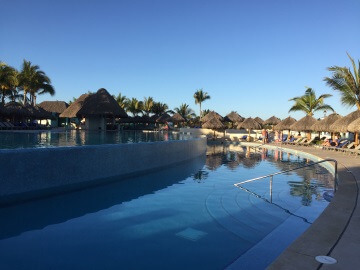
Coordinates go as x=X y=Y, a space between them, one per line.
x=189 y=216
x=20 y=139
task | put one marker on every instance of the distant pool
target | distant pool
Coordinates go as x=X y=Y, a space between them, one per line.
x=188 y=216
x=31 y=139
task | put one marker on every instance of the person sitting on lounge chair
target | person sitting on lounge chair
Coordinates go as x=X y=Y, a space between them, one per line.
x=326 y=142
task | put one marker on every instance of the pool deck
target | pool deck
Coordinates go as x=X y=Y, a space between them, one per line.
x=336 y=232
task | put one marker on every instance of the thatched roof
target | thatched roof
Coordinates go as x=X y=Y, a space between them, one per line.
x=213 y=123
x=354 y=126
x=54 y=106
x=38 y=112
x=249 y=123
x=177 y=118
x=100 y=104
x=324 y=125
x=16 y=109
x=304 y=124
x=285 y=124
x=259 y=120
x=233 y=117
x=164 y=118
x=341 y=125
x=210 y=115
x=273 y=120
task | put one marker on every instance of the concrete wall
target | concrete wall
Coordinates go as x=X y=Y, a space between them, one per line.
x=27 y=173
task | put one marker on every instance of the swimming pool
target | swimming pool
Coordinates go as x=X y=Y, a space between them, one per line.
x=31 y=139
x=188 y=216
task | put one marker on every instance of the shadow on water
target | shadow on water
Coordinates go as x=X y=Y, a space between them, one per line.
x=37 y=214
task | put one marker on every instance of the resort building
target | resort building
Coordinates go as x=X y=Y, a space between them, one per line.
x=95 y=111
x=55 y=108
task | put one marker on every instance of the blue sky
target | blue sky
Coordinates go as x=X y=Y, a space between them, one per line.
x=250 y=56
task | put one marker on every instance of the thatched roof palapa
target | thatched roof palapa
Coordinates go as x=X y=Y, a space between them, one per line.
x=304 y=124
x=324 y=125
x=273 y=120
x=210 y=115
x=341 y=125
x=177 y=118
x=249 y=123
x=99 y=104
x=213 y=123
x=259 y=120
x=164 y=118
x=233 y=117
x=285 y=124
x=54 y=106
x=354 y=126
x=16 y=109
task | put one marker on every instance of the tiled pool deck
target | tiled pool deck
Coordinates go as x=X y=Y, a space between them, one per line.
x=336 y=232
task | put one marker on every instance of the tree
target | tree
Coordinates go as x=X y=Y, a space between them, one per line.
x=34 y=81
x=123 y=101
x=186 y=112
x=135 y=106
x=309 y=104
x=148 y=103
x=347 y=83
x=159 y=108
x=200 y=96
x=8 y=80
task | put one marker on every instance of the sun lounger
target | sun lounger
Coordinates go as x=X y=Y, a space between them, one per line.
x=307 y=142
x=298 y=141
x=355 y=150
x=341 y=144
x=348 y=147
x=243 y=138
x=2 y=126
x=289 y=141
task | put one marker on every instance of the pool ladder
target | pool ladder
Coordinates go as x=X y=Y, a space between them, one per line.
x=239 y=185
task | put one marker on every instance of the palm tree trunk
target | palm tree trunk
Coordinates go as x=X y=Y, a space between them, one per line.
x=34 y=100
x=24 y=97
x=200 y=110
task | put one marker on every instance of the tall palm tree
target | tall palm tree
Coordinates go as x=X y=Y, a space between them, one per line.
x=309 y=103
x=148 y=103
x=159 y=108
x=200 y=96
x=34 y=81
x=8 y=80
x=135 y=106
x=186 y=112
x=347 y=83
x=122 y=100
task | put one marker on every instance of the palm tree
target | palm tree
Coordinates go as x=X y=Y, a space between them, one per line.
x=123 y=101
x=186 y=112
x=135 y=106
x=347 y=83
x=200 y=96
x=159 y=108
x=309 y=104
x=34 y=81
x=148 y=103
x=8 y=80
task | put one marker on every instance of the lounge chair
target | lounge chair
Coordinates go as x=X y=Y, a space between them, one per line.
x=355 y=150
x=348 y=147
x=299 y=140
x=307 y=142
x=2 y=126
x=341 y=144
x=235 y=139
x=243 y=138
x=289 y=141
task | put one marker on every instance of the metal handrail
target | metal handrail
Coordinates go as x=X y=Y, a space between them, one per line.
x=290 y=170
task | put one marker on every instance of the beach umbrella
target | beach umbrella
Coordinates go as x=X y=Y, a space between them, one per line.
x=164 y=118
x=259 y=120
x=210 y=115
x=177 y=118
x=341 y=125
x=304 y=124
x=285 y=124
x=249 y=124
x=273 y=120
x=234 y=118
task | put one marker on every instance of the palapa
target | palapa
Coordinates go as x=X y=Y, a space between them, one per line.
x=259 y=120
x=304 y=124
x=210 y=115
x=16 y=109
x=354 y=126
x=273 y=120
x=233 y=117
x=177 y=118
x=285 y=124
x=54 y=106
x=324 y=125
x=341 y=125
x=213 y=123
x=249 y=123
x=100 y=103
x=163 y=118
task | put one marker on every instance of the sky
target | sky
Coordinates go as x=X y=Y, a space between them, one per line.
x=249 y=56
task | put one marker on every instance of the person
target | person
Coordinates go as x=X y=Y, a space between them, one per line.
x=266 y=136
x=326 y=142
x=263 y=135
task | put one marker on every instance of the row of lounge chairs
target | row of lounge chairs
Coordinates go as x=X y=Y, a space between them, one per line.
x=20 y=126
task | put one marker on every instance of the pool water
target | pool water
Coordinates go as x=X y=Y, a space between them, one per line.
x=21 y=139
x=189 y=216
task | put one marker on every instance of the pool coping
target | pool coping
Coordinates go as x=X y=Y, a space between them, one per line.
x=334 y=233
